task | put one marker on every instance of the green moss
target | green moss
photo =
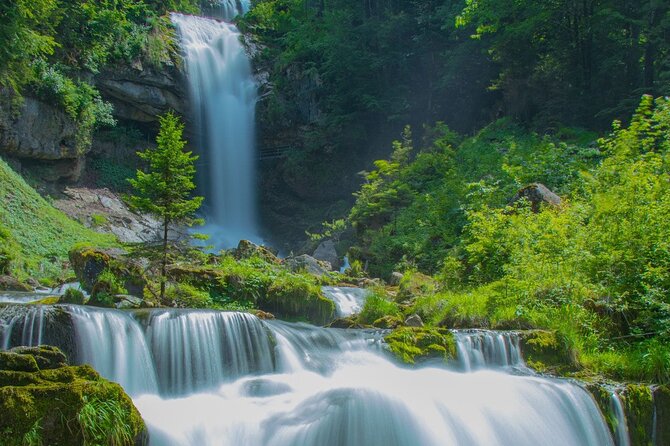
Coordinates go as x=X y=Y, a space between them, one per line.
x=410 y=344
x=639 y=408
x=661 y=397
x=47 y=406
x=544 y=352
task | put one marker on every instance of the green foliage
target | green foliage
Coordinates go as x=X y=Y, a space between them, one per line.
x=40 y=236
x=73 y=296
x=105 y=422
x=183 y=295
x=377 y=305
x=410 y=344
x=8 y=249
x=98 y=220
x=107 y=286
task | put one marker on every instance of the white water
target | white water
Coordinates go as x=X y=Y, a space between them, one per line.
x=479 y=349
x=621 y=435
x=223 y=96
x=211 y=378
x=348 y=300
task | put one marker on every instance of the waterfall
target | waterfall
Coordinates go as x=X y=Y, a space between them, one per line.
x=223 y=97
x=348 y=300
x=198 y=350
x=210 y=378
x=478 y=349
x=621 y=435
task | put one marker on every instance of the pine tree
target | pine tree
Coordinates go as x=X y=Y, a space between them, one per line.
x=165 y=190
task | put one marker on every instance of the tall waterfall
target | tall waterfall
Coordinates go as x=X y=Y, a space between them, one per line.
x=211 y=378
x=223 y=95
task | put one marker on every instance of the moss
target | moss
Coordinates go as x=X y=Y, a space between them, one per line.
x=47 y=405
x=544 y=352
x=415 y=284
x=49 y=300
x=296 y=300
x=18 y=363
x=73 y=296
x=410 y=344
x=388 y=322
x=602 y=397
x=639 y=409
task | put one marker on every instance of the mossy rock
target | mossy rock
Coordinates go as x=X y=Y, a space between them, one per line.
x=246 y=250
x=90 y=262
x=46 y=357
x=638 y=406
x=297 y=301
x=66 y=406
x=661 y=397
x=388 y=321
x=49 y=300
x=345 y=322
x=543 y=351
x=412 y=344
x=602 y=397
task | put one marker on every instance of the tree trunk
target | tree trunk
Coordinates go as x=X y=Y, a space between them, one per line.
x=164 y=261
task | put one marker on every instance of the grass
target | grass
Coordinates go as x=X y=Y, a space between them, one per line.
x=102 y=422
x=42 y=233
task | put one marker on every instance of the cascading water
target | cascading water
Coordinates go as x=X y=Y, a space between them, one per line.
x=621 y=435
x=223 y=95
x=485 y=349
x=348 y=300
x=229 y=378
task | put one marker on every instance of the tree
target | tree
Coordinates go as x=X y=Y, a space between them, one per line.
x=165 y=189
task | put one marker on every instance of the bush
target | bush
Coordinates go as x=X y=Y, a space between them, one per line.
x=377 y=305
x=73 y=296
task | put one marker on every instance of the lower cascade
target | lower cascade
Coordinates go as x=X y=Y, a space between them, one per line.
x=220 y=378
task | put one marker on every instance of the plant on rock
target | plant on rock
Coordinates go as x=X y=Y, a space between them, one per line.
x=165 y=188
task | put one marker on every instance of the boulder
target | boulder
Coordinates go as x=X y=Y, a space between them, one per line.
x=246 y=249
x=89 y=262
x=309 y=264
x=395 y=279
x=127 y=302
x=537 y=194
x=414 y=321
x=53 y=403
x=661 y=397
x=327 y=253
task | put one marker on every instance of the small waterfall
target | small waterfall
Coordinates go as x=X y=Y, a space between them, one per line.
x=621 y=435
x=23 y=325
x=114 y=344
x=199 y=350
x=348 y=300
x=223 y=96
x=478 y=349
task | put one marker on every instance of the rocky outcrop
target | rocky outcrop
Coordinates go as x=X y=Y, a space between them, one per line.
x=141 y=94
x=246 y=250
x=538 y=194
x=89 y=263
x=44 y=401
x=103 y=211
x=36 y=130
x=9 y=283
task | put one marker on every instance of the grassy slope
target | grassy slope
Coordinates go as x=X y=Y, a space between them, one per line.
x=43 y=234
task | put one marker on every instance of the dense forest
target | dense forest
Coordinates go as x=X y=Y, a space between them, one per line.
x=477 y=168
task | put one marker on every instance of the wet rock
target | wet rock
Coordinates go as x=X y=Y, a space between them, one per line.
x=327 y=253
x=538 y=194
x=661 y=397
x=46 y=357
x=264 y=315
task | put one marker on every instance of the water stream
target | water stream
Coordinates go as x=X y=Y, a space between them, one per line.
x=213 y=378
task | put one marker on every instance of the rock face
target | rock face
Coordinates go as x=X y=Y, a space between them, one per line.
x=37 y=131
x=141 y=94
x=538 y=194
x=103 y=211
x=9 y=283
x=44 y=401
x=246 y=249
x=327 y=253
x=89 y=263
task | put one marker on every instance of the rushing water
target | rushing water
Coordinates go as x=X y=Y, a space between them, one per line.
x=212 y=378
x=348 y=300
x=223 y=96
